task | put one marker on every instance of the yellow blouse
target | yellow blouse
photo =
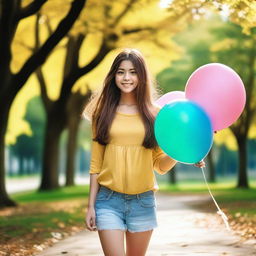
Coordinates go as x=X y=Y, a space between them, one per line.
x=124 y=165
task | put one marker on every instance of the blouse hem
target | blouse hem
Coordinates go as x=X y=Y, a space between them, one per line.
x=134 y=193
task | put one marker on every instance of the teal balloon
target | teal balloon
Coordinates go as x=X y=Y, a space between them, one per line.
x=183 y=131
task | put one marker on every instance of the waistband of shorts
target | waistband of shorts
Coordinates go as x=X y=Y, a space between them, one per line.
x=126 y=196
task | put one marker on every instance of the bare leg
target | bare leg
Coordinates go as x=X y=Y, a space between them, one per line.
x=112 y=242
x=137 y=243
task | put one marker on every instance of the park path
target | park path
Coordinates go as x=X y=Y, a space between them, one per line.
x=183 y=230
x=15 y=185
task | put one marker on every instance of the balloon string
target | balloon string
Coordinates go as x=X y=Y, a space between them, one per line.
x=220 y=212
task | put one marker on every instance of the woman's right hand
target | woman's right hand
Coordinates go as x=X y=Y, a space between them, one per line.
x=91 y=219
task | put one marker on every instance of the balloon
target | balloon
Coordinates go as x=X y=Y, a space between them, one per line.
x=168 y=97
x=219 y=91
x=183 y=131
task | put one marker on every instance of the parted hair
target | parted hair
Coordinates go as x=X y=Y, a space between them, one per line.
x=102 y=107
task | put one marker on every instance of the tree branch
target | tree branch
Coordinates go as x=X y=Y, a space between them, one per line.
x=7 y=30
x=42 y=83
x=72 y=53
x=70 y=80
x=30 y=9
x=136 y=30
x=39 y=72
x=48 y=25
x=104 y=50
x=40 y=56
x=25 y=46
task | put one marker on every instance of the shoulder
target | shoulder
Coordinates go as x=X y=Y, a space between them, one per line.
x=154 y=109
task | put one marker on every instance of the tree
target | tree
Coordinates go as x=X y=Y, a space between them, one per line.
x=109 y=38
x=11 y=14
x=29 y=147
x=196 y=41
x=68 y=114
x=75 y=108
x=241 y=13
x=238 y=51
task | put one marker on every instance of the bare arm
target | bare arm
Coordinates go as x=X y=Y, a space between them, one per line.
x=90 y=216
x=94 y=187
x=166 y=163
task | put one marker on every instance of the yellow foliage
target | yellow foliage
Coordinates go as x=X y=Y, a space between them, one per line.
x=252 y=132
x=223 y=45
x=53 y=72
x=157 y=59
x=226 y=137
x=241 y=12
x=56 y=10
x=145 y=15
x=156 y=45
x=90 y=48
x=16 y=124
x=95 y=78
x=24 y=40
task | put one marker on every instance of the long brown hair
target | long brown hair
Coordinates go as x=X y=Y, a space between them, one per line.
x=105 y=104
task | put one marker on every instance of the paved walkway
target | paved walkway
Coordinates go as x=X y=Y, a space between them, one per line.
x=182 y=231
x=14 y=185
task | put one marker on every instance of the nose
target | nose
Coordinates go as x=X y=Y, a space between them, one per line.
x=126 y=76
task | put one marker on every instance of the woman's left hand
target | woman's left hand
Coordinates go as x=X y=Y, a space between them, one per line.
x=200 y=164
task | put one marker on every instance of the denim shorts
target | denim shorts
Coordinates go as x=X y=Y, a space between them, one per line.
x=135 y=213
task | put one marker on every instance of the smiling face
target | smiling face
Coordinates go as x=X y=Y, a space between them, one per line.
x=126 y=77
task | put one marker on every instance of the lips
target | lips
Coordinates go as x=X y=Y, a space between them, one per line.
x=127 y=86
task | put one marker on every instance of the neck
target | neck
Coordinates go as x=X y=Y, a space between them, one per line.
x=127 y=99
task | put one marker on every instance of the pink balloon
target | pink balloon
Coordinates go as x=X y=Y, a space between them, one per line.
x=170 y=96
x=220 y=91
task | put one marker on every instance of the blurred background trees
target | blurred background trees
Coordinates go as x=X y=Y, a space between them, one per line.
x=12 y=14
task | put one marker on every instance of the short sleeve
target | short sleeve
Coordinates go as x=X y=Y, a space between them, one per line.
x=97 y=155
x=158 y=154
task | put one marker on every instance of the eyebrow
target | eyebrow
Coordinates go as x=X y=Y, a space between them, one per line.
x=124 y=69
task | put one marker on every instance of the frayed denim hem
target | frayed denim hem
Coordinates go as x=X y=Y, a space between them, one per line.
x=142 y=230
x=112 y=229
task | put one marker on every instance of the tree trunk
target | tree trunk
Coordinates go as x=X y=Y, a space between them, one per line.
x=211 y=167
x=21 y=165
x=51 y=150
x=172 y=176
x=4 y=198
x=71 y=150
x=74 y=109
x=11 y=14
x=242 y=171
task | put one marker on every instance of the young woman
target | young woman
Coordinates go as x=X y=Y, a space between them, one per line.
x=124 y=156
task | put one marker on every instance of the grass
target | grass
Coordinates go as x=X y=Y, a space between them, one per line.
x=21 y=225
x=65 y=193
x=40 y=216
x=200 y=186
x=235 y=199
x=22 y=176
